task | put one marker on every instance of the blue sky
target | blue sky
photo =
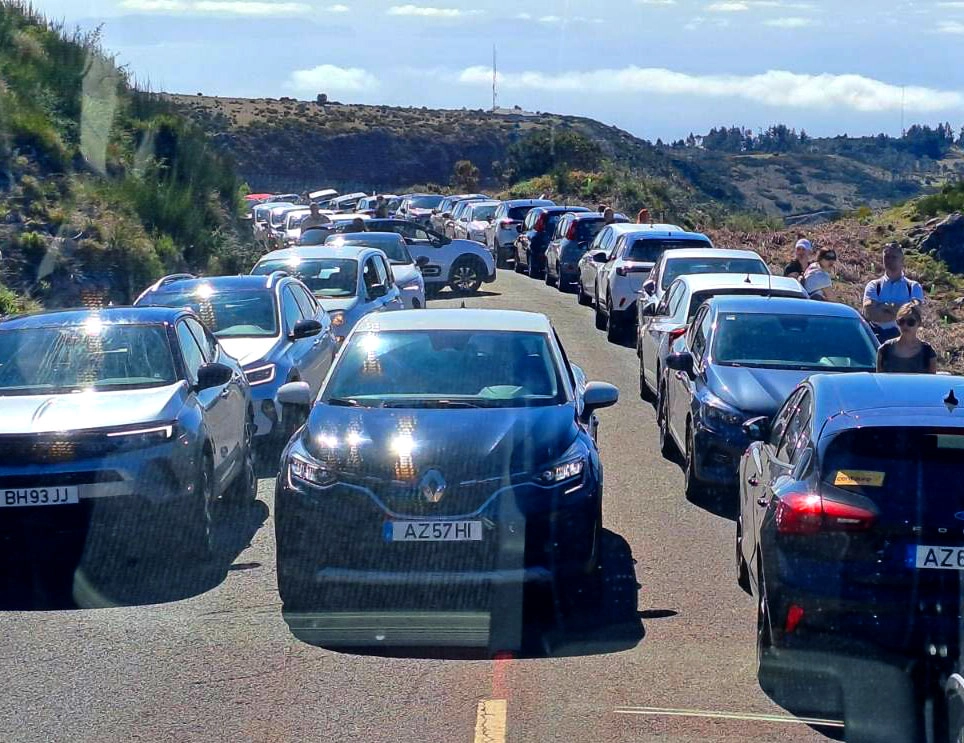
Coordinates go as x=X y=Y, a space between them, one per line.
x=658 y=68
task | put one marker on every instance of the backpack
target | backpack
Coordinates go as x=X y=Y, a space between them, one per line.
x=910 y=291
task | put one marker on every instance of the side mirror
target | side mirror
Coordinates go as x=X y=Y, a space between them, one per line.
x=213 y=375
x=596 y=396
x=445 y=240
x=649 y=286
x=757 y=429
x=375 y=291
x=306 y=329
x=297 y=394
x=681 y=362
x=446 y=215
x=599 y=256
x=649 y=310
x=422 y=261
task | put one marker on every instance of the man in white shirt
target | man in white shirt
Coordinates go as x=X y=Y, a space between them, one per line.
x=884 y=296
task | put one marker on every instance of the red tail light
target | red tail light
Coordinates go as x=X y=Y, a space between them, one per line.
x=676 y=333
x=808 y=513
x=540 y=224
x=794 y=617
x=571 y=232
x=506 y=223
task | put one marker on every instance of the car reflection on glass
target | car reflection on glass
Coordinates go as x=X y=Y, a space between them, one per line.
x=449 y=460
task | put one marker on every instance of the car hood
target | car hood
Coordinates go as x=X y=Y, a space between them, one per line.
x=469 y=444
x=419 y=212
x=248 y=350
x=85 y=410
x=336 y=304
x=753 y=391
x=405 y=273
x=478 y=225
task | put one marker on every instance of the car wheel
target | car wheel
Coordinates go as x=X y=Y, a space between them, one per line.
x=502 y=260
x=548 y=277
x=645 y=392
x=244 y=489
x=694 y=487
x=764 y=627
x=584 y=299
x=517 y=266
x=199 y=530
x=531 y=267
x=601 y=321
x=466 y=275
x=564 y=283
x=614 y=330
x=432 y=290
x=742 y=570
x=667 y=447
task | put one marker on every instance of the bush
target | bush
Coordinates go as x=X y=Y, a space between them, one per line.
x=950 y=199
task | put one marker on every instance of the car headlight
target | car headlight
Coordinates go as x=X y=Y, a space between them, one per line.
x=412 y=286
x=260 y=374
x=313 y=472
x=133 y=437
x=717 y=415
x=568 y=468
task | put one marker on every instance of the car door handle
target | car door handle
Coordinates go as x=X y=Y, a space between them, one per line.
x=225 y=393
x=762 y=502
x=753 y=481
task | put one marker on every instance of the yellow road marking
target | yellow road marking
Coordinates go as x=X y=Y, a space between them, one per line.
x=718 y=714
x=490 y=721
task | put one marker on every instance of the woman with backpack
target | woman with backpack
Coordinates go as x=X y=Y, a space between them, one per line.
x=907 y=354
x=818 y=279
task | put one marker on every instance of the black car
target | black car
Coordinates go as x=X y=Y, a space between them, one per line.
x=451 y=453
x=851 y=529
x=534 y=236
x=739 y=359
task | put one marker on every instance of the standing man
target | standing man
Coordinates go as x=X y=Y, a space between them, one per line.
x=883 y=297
x=315 y=219
x=802 y=251
x=609 y=216
x=381 y=207
x=643 y=217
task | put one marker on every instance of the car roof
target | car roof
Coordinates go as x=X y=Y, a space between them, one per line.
x=456 y=319
x=120 y=315
x=852 y=400
x=649 y=230
x=709 y=252
x=701 y=282
x=781 y=306
x=371 y=235
x=559 y=208
x=311 y=252
x=486 y=202
x=242 y=282
x=529 y=202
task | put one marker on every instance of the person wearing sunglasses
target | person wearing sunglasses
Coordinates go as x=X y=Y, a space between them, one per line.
x=907 y=354
x=818 y=278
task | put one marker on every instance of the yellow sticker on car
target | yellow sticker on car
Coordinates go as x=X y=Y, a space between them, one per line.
x=859 y=478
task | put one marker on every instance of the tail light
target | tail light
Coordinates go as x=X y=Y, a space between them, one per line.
x=506 y=224
x=540 y=224
x=794 y=617
x=675 y=334
x=807 y=513
x=622 y=271
x=571 y=232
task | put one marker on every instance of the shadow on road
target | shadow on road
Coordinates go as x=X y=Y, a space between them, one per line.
x=590 y=616
x=448 y=294
x=723 y=502
x=44 y=572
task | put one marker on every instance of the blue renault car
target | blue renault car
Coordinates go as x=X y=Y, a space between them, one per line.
x=130 y=420
x=450 y=452
x=273 y=325
x=739 y=359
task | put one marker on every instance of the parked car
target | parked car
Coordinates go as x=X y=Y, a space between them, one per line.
x=534 y=235
x=419 y=207
x=347 y=202
x=442 y=213
x=684 y=260
x=474 y=220
x=739 y=359
x=459 y=212
x=463 y=265
x=292 y=225
x=502 y=231
x=849 y=528
x=130 y=422
x=348 y=281
x=271 y=324
x=659 y=326
x=261 y=215
x=476 y=466
x=340 y=223
x=369 y=204
x=405 y=269
x=571 y=239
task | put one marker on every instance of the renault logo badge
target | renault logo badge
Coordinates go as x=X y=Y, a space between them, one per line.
x=432 y=486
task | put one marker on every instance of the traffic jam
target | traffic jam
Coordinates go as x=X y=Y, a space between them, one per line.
x=439 y=471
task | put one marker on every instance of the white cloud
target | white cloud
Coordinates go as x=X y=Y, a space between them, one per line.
x=950 y=27
x=524 y=16
x=728 y=6
x=772 y=88
x=223 y=7
x=327 y=77
x=154 y=5
x=550 y=19
x=337 y=8
x=951 y=4
x=656 y=2
x=789 y=22
x=427 y=12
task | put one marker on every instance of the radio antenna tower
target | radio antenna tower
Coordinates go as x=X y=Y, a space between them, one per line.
x=495 y=81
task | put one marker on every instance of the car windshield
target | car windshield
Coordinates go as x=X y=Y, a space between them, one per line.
x=425 y=202
x=278 y=217
x=325 y=277
x=445 y=368
x=228 y=313
x=687 y=266
x=483 y=212
x=94 y=355
x=803 y=342
x=295 y=220
x=314 y=236
x=392 y=245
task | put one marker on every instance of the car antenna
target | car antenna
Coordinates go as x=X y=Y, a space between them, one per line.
x=951 y=401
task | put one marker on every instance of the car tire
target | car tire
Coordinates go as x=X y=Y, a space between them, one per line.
x=601 y=321
x=518 y=266
x=532 y=269
x=614 y=329
x=667 y=447
x=244 y=489
x=693 y=486
x=646 y=393
x=502 y=260
x=549 y=280
x=466 y=276
x=764 y=632
x=742 y=569
x=584 y=299
x=198 y=533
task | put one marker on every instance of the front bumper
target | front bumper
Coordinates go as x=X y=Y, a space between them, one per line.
x=717 y=454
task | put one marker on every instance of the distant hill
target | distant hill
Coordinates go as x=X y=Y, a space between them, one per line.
x=286 y=144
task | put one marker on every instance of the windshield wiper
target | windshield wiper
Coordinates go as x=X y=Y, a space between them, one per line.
x=431 y=404
x=345 y=402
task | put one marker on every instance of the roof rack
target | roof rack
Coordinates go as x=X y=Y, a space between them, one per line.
x=170 y=279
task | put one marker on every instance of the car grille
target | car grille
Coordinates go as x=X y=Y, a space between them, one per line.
x=54 y=448
x=407 y=499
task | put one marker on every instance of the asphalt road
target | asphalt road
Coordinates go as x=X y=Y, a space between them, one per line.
x=204 y=655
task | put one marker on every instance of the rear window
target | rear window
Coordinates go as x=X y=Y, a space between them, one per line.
x=688 y=266
x=700 y=297
x=587 y=229
x=519 y=212
x=648 y=250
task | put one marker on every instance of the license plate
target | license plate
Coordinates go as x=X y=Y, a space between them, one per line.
x=13 y=497
x=433 y=531
x=939 y=558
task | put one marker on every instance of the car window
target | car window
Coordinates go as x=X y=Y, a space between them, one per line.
x=783 y=417
x=676 y=301
x=384 y=272
x=691 y=332
x=617 y=248
x=689 y=266
x=663 y=308
x=700 y=337
x=370 y=275
x=795 y=435
x=290 y=310
x=209 y=346
x=191 y=351
x=306 y=302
